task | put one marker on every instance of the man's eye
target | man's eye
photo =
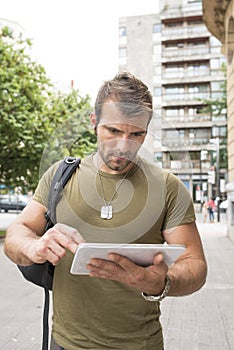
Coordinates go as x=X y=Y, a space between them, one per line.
x=114 y=131
x=138 y=134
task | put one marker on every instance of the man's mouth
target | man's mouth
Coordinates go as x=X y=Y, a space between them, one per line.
x=118 y=158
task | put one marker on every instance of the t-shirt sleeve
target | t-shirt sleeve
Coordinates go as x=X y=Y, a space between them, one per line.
x=179 y=204
x=42 y=191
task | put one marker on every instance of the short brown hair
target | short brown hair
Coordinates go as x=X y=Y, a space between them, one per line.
x=131 y=93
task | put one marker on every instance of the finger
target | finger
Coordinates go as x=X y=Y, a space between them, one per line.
x=159 y=266
x=104 y=269
x=158 y=259
x=53 y=258
x=65 y=229
x=52 y=253
x=57 y=241
x=72 y=246
x=63 y=241
x=123 y=262
x=69 y=231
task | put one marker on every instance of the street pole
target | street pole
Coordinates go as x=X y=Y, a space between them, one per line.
x=201 y=195
x=217 y=179
x=215 y=142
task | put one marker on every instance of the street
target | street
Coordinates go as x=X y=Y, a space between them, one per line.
x=6 y=219
x=202 y=321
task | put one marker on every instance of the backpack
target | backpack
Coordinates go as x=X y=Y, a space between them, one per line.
x=42 y=274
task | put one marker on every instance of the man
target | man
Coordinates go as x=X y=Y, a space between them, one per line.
x=115 y=196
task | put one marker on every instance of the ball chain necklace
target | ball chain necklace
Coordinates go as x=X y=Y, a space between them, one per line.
x=107 y=209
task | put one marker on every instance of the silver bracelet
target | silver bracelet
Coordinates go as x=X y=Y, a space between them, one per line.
x=162 y=295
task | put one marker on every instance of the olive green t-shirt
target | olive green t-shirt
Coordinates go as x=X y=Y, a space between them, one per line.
x=98 y=314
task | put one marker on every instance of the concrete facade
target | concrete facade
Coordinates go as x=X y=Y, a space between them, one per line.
x=219 y=18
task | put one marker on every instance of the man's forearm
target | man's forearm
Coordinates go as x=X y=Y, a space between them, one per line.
x=17 y=242
x=187 y=276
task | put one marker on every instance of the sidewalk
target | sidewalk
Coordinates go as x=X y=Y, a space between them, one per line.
x=205 y=320
x=202 y=321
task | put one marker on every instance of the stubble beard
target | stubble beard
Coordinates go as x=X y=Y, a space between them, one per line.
x=119 y=165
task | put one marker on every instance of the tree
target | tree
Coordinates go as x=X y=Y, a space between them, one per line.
x=31 y=110
x=73 y=134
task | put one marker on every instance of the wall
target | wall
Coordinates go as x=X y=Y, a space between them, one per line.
x=229 y=48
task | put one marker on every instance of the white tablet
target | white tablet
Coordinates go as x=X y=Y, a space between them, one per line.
x=141 y=254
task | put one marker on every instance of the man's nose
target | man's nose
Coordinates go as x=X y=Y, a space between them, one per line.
x=123 y=144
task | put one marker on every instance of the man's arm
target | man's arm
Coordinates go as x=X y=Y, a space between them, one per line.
x=187 y=275
x=26 y=242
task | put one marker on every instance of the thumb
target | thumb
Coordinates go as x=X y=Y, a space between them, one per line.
x=158 y=259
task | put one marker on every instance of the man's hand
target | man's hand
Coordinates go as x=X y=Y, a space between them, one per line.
x=53 y=244
x=150 y=280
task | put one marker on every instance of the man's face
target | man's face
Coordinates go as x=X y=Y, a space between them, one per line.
x=119 y=137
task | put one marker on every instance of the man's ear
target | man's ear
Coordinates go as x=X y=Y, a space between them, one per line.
x=93 y=119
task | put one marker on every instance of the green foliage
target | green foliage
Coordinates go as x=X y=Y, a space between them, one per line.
x=218 y=106
x=31 y=111
x=72 y=134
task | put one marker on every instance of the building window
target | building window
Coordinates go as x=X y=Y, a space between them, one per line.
x=214 y=41
x=122 y=52
x=200 y=43
x=122 y=31
x=214 y=63
x=157 y=28
x=174 y=114
x=195 y=112
x=174 y=90
x=174 y=24
x=219 y=131
x=195 y=22
x=174 y=70
x=198 y=91
x=196 y=69
x=174 y=45
x=122 y=55
x=157 y=156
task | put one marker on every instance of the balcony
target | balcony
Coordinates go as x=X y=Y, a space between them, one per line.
x=185 y=54
x=188 y=98
x=168 y=13
x=190 y=121
x=187 y=166
x=188 y=76
x=175 y=33
x=185 y=143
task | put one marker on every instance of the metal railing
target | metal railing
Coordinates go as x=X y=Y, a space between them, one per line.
x=185 y=96
x=179 y=142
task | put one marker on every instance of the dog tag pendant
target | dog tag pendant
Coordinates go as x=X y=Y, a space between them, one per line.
x=106 y=212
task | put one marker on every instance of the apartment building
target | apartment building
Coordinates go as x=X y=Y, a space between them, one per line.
x=219 y=18
x=174 y=53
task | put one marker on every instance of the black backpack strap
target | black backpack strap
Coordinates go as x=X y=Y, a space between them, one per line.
x=60 y=179
x=45 y=339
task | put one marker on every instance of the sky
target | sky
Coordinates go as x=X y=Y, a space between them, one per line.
x=73 y=39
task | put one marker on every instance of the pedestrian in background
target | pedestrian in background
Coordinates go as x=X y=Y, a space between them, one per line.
x=211 y=209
